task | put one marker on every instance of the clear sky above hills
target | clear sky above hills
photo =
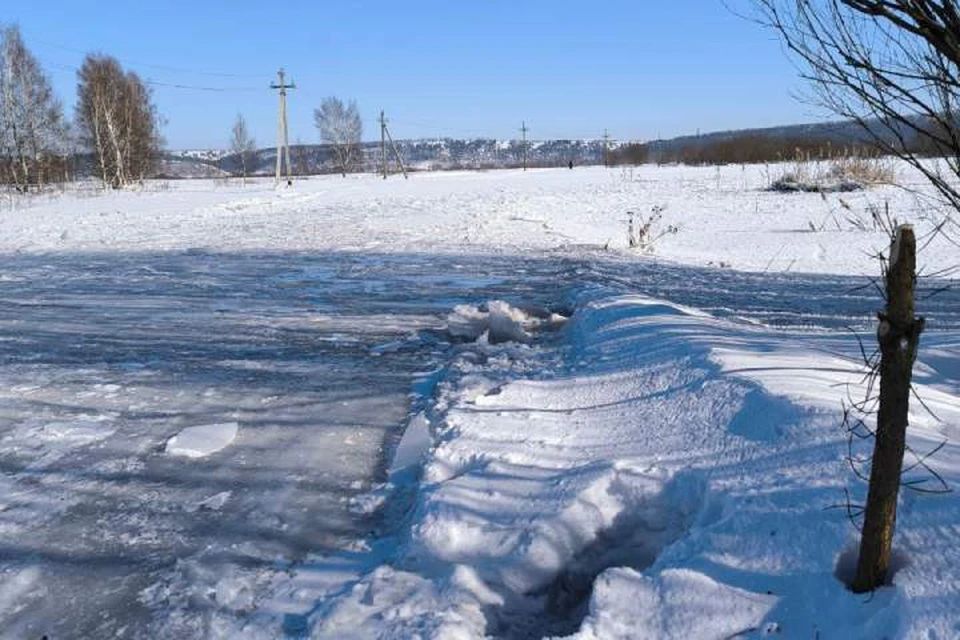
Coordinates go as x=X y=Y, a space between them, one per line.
x=641 y=69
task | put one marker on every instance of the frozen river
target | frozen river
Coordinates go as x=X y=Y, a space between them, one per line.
x=105 y=533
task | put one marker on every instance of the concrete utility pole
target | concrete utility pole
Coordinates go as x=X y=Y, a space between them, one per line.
x=606 y=148
x=283 y=144
x=384 y=137
x=383 y=144
x=523 y=129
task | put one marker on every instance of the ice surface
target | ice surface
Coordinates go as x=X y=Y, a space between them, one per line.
x=117 y=366
x=202 y=440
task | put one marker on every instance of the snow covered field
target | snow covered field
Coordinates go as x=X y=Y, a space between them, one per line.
x=204 y=389
x=723 y=216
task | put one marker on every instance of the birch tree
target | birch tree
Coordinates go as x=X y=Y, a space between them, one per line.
x=32 y=132
x=341 y=127
x=117 y=120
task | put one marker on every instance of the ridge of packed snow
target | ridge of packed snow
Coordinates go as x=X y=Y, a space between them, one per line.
x=670 y=476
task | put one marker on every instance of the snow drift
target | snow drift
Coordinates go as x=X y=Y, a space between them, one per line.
x=669 y=477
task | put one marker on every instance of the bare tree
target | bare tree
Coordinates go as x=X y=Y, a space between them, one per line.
x=892 y=66
x=242 y=145
x=32 y=133
x=341 y=128
x=117 y=120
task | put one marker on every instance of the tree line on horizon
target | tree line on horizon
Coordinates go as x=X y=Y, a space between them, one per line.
x=115 y=130
x=753 y=147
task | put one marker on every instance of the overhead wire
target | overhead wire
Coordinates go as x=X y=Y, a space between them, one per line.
x=134 y=63
x=171 y=85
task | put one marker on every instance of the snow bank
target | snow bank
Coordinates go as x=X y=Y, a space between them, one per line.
x=661 y=474
x=202 y=440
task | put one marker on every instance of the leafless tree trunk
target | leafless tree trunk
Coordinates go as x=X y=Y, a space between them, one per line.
x=242 y=145
x=342 y=128
x=898 y=335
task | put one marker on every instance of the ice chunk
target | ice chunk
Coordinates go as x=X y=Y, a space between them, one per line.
x=508 y=324
x=502 y=322
x=414 y=444
x=466 y=322
x=202 y=440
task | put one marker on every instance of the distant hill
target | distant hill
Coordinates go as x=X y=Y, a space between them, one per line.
x=421 y=155
x=488 y=153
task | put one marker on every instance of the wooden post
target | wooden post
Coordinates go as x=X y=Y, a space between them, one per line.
x=898 y=335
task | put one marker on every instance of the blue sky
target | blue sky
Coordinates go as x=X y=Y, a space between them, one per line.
x=439 y=68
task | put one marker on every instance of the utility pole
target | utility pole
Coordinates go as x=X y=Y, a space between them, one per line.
x=523 y=129
x=606 y=148
x=383 y=144
x=384 y=137
x=283 y=144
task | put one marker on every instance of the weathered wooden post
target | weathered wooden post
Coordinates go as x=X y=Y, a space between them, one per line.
x=898 y=335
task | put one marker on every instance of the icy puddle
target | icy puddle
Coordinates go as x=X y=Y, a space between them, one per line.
x=179 y=432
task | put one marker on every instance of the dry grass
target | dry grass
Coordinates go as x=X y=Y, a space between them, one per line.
x=844 y=171
x=865 y=169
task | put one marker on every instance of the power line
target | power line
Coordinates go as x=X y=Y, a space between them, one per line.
x=198 y=88
x=430 y=130
x=169 y=85
x=134 y=63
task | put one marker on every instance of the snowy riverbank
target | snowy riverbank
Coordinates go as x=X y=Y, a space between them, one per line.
x=681 y=467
